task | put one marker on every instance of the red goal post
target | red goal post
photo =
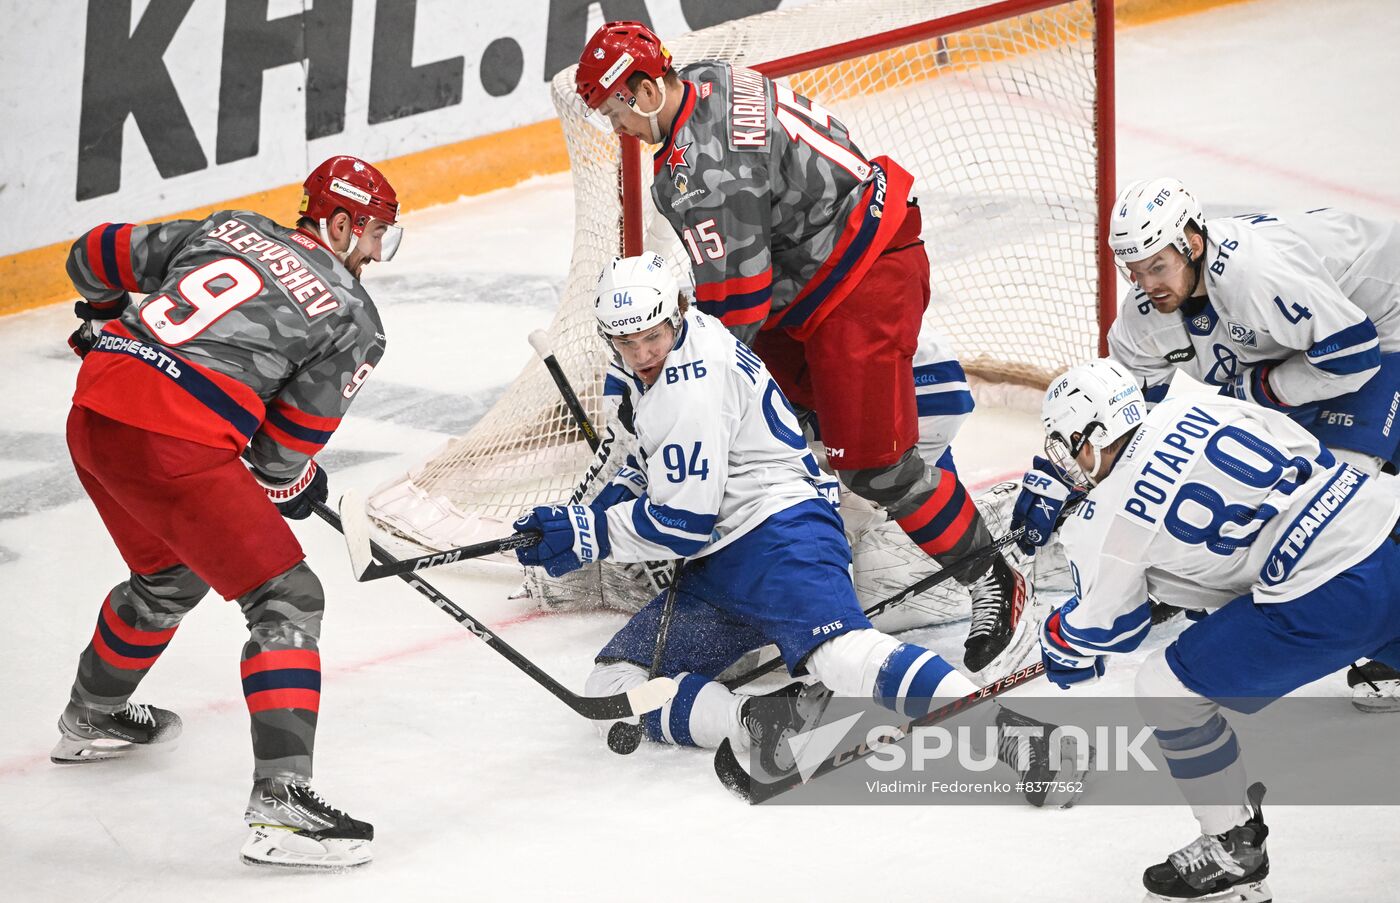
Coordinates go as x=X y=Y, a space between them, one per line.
x=1003 y=112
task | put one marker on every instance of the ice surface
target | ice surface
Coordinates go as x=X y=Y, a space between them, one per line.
x=481 y=785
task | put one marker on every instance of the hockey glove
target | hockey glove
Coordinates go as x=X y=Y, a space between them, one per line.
x=102 y=310
x=1044 y=495
x=570 y=537
x=628 y=483
x=294 y=498
x=1065 y=665
x=82 y=339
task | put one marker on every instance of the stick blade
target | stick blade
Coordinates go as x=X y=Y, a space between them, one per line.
x=539 y=340
x=652 y=695
x=731 y=774
x=354 y=523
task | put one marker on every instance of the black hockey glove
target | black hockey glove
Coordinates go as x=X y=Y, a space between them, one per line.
x=82 y=339
x=294 y=498
x=102 y=310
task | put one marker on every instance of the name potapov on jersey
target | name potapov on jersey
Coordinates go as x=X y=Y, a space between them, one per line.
x=1150 y=491
x=1285 y=554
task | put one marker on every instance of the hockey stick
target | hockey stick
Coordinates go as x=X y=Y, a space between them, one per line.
x=929 y=581
x=624 y=737
x=649 y=696
x=354 y=525
x=733 y=775
x=539 y=340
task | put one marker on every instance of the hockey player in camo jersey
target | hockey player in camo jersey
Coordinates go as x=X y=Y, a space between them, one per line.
x=195 y=422
x=725 y=481
x=809 y=252
x=1229 y=508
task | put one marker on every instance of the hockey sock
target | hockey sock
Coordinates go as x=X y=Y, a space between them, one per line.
x=122 y=650
x=702 y=714
x=946 y=524
x=912 y=676
x=281 y=671
x=137 y=620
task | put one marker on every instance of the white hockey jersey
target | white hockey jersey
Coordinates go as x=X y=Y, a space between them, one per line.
x=722 y=450
x=1211 y=499
x=1319 y=292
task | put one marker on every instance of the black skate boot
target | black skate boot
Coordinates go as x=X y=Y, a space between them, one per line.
x=88 y=736
x=1057 y=780
x=770 y=725
x=1216 y=868
x=1375 y=687
x=998 y=598
x=292 y=827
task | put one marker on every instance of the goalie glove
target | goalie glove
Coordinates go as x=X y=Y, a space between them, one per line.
x=1044 y=495
x=570 y=537
x=294 y=498
x=1065 y=665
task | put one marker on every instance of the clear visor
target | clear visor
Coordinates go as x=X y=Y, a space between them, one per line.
x=1065 y=456
x=379 y=241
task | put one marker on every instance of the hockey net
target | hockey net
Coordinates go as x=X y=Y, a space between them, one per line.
x=1002 y=112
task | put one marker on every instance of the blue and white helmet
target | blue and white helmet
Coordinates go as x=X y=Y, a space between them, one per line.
x=635 y=294
x=1149 y=215
x=1094 y=404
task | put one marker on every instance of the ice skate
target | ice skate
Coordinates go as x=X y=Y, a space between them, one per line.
x=771 y=727
x=998 y=598
x=1375 y=687
x=1053 y=780
x=292 y=827
x=1217 y=868
x=88 y=736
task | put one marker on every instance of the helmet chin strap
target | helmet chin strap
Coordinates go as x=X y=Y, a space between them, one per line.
x=656 y=136
x=330 y=246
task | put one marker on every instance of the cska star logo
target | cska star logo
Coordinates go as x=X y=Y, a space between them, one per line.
x=676 y=158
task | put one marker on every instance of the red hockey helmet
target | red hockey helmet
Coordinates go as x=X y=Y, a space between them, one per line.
x=614 y=53
x=350 y=184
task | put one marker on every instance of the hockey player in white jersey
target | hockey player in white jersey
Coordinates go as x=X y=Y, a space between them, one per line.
x=1233 y=509
x=1300 y=314
x=727 y=484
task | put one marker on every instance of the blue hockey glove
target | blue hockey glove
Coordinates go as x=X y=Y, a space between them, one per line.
x=628 y=483
x=294 y=498
x=1065 y=665
x=1044 y=495
x=571 y=536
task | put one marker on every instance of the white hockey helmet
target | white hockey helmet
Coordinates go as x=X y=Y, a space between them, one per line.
x=1150 y=215
x=1093 y=403
x=635 y=294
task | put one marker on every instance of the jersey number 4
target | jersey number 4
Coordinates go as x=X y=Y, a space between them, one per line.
x=211 y=291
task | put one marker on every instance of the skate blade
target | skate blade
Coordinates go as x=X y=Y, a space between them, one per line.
x=1253 y=892
x=271 y=847
x=1376 y=705
x=76 y=751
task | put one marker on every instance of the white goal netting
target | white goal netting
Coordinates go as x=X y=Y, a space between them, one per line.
x=995 y=119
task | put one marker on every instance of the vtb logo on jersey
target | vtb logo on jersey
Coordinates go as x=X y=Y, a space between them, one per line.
x=1242 y=334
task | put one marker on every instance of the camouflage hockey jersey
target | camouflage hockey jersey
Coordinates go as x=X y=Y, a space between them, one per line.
x=251 y=335
x=1317 y=294
x=780 y=212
